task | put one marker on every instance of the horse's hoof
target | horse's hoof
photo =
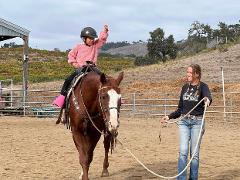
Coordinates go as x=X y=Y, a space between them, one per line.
x=80 y=177
x=105 y=173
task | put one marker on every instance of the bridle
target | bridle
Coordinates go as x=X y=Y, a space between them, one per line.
x=106 y=109
x=102 y=108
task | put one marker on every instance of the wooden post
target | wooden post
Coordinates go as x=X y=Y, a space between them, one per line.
x=25 y=72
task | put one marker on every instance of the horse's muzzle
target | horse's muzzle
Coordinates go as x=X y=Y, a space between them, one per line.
x=112 y=129
x=114 y=133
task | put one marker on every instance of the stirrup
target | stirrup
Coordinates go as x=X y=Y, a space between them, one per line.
x=63 y=117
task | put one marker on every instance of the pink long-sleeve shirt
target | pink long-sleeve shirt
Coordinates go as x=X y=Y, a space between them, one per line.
x=81 y=53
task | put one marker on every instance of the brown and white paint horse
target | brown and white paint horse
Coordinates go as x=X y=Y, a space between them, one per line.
x=94 y=108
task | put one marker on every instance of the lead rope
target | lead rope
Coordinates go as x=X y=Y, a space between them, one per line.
x=171 y=122
x=195 y=149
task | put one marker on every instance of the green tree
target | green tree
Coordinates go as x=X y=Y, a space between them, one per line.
x=208 y=31
x=159 y=47
x=224 y=30
x=197 y=30
x=171 y=48
x=142 y=61
x=110 y=45
x=200 y=31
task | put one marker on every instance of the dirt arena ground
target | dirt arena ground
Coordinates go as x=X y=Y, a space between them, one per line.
x=36 y=148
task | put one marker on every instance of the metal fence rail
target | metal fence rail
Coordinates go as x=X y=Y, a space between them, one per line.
x=39 y=103
x=139 y=104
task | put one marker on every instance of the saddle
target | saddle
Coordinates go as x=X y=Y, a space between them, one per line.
x=83 y=71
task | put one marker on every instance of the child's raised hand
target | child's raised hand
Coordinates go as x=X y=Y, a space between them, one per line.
x=106 y=28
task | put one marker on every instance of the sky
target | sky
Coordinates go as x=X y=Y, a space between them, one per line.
x=57 y=24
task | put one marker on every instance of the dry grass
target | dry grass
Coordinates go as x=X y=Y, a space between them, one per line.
x=167 y=77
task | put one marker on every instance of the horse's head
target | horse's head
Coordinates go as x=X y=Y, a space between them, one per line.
x=110 y=101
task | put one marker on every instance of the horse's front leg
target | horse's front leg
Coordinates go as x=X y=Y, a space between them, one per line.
x=82 y=148
x=84 y=173
x=106 y=142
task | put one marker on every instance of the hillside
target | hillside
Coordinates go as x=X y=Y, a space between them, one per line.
x=163 y=76
x=174 y=70
x=49 y=65
x=138 y=49
x=8 y=54
x=167 y=77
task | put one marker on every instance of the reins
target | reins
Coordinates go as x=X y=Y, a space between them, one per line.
x=89 y=117
x=100 y=103
x=195 y=149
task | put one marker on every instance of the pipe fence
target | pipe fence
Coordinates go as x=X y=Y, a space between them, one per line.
x=146 y=105
x=161 y=104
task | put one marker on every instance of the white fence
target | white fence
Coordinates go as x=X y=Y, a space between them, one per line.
x=39 y=103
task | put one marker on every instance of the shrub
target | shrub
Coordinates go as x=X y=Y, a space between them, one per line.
x=222 y=48
x=141 y=61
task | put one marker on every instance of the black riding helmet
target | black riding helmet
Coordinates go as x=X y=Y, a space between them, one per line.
x=88 y=32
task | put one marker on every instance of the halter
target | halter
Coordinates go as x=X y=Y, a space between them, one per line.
x=100 y=103
x=114 y=136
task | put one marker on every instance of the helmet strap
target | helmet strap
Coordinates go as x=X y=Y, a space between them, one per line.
x=85 y=40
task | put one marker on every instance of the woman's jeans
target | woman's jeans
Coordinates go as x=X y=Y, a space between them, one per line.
x=189 y=129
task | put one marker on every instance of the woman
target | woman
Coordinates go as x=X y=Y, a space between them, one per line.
x=189 y=127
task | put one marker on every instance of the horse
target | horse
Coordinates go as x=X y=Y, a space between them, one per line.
x=94 y=107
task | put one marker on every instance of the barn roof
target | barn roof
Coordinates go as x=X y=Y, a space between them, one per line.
x=9 y=30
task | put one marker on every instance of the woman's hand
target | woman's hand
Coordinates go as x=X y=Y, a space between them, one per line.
x=207 y=101
x=165 y=119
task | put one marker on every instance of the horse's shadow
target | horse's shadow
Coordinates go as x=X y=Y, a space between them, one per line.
x=167 y=168
x=139 y=173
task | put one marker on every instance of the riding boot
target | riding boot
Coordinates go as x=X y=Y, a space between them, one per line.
x=59 y=101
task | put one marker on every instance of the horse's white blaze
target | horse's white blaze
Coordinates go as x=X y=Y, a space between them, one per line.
x=113 y=104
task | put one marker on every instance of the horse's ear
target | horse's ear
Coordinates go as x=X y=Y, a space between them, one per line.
x=103 y=78
x=120 y=78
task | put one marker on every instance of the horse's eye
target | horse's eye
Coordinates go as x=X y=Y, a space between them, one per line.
x=104 y=96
